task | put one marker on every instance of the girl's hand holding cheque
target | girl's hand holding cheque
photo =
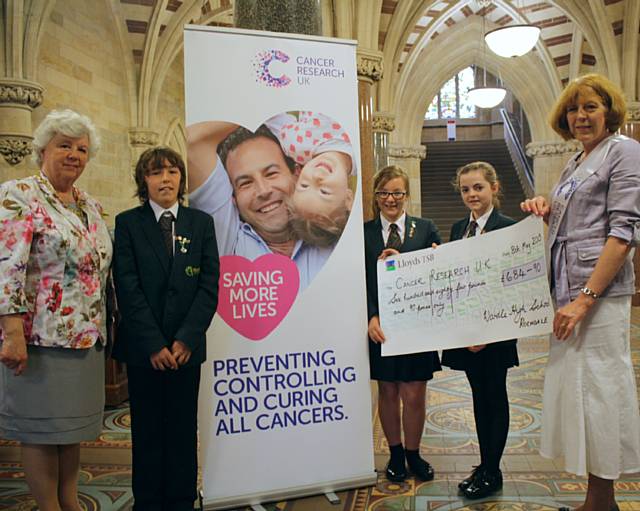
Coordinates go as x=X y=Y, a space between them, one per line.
x=387 y=252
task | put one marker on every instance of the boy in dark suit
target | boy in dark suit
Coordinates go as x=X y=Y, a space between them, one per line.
x=166 y=272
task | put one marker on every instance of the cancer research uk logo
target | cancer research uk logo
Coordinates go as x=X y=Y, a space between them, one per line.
x=268 y=63
x=261 y=63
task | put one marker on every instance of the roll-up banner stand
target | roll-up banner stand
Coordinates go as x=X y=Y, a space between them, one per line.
x=272 y=134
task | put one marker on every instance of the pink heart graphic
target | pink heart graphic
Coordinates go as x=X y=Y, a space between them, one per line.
x=255 y=296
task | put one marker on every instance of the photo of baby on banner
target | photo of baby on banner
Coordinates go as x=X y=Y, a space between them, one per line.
x=280 y=197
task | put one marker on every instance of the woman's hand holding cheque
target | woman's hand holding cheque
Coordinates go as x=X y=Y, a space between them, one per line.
x=537 y=206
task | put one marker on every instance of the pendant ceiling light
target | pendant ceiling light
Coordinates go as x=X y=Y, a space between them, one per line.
x=485 y=97
x=512 y=40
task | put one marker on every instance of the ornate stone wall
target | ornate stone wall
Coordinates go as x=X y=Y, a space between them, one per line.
x=85 y=62
x=383 y=124
x=18 y=97
x=409 y=158
x=370 y=70
x=549 y=158
x=170 y=123
x=79 y=66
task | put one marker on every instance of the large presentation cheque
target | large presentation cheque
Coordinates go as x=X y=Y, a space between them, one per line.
x=473 y=291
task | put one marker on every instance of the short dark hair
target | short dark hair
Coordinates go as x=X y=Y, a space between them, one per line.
x=155 y=158
x=240 y=135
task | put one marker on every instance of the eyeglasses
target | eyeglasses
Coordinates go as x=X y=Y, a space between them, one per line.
x=395 y=195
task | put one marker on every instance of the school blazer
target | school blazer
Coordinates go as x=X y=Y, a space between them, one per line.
x=162 y=299
x=419 y=233
x=497 y=354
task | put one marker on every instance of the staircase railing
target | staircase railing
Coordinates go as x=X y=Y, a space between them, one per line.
x=518 y=156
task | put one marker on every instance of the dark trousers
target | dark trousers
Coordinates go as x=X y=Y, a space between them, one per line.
x=164 y=408
x=491 y=412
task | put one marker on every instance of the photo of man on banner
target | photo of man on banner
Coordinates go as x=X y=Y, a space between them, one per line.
x=286 y=188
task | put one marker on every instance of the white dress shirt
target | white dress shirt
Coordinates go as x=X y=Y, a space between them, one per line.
x=386 y=224
x=158 y=211
x=482 y=221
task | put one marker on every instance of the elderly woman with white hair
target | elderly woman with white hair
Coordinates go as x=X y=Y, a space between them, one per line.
x=56 y=253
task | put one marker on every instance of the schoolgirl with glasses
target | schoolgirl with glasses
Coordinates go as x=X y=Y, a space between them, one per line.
x=402 y=378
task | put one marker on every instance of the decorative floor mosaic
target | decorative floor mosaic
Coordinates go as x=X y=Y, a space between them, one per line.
x=531 y=483
x=103 y=486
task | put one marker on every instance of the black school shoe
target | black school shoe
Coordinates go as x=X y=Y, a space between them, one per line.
x=465 y=483
x=485 y=484
x=396 y=471
x=421 y=469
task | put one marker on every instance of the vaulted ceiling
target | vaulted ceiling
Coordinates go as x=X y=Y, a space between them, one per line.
x=561 y=36
x=141 y=16
x=577 y=36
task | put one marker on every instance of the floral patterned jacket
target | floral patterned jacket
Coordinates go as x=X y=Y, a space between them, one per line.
x=53 y=268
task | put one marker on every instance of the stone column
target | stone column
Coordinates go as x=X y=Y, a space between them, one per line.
x=369 y=71
x=383 y=124
x=549 y=158
x=18 y=98
x=632 y=130
x=632 y=127
x=409 y=158
x=141 y=139
x=292 y=16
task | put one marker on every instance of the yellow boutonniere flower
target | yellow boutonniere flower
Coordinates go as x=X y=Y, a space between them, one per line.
x=412 y=228
x=184 y=243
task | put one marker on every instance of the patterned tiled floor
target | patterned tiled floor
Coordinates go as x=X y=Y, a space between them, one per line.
x=105 y=477
x=532 y=483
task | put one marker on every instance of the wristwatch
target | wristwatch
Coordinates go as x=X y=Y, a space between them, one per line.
x=589 y=292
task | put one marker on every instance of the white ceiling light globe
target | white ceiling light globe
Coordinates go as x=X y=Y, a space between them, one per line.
x=513 y=40
x=486 y=97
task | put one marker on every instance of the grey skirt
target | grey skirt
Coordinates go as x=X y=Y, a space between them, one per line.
x=59 y=399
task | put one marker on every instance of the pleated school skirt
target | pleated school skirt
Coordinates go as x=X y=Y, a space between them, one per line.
x=405 y=368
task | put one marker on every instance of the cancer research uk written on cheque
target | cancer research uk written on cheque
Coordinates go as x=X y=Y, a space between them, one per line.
x=483 y=289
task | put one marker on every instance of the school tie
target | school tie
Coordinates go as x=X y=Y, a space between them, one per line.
x=471 y=232
x=166 y=226
x=394 y=240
